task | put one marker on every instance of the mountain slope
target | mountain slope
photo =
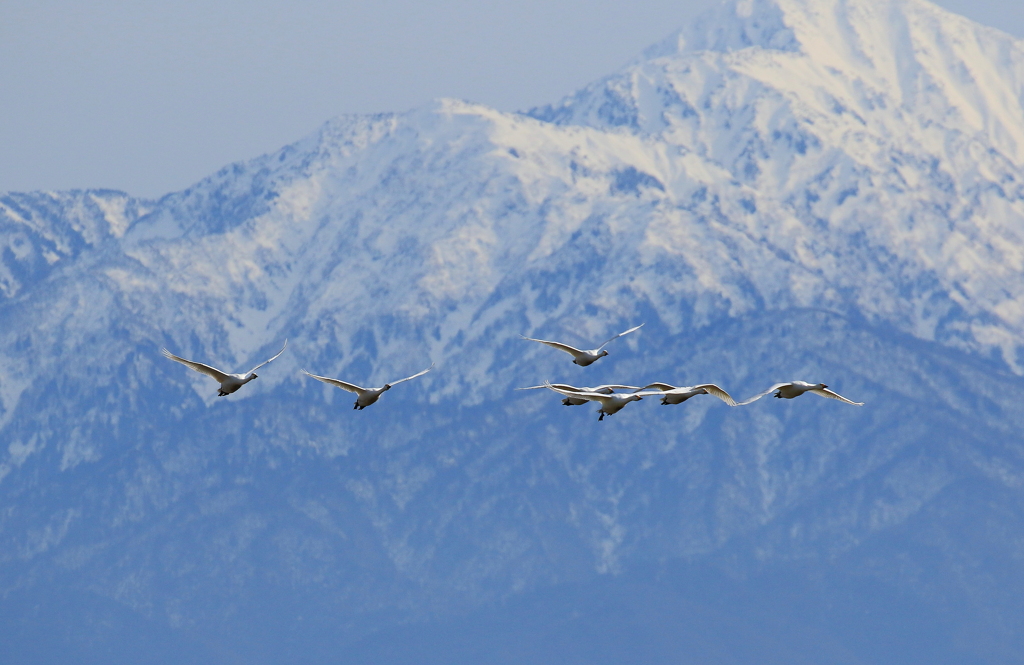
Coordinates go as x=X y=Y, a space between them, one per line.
x=37 y=232
x=887 y=134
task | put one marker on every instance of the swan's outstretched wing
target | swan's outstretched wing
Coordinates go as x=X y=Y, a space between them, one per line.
x=599 y=397
x=218 y=375
x=351 y=387
x=657 y=386
x=267 y=361
x=762 y=394
x=395 y=383
x=571 y=350
x=615 y=386
x=648 y=393
x=602 y=398
x=563 y=386
x=625 y=332
x=573 y=392
x=825 y=392
x=720 y=393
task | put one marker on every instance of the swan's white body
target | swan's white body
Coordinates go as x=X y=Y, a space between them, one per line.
x=578 y=401
x=677 y=395
x=611 y=403
x=584 y=357
x=229 y=383
x=792 y=389
x=365 y=396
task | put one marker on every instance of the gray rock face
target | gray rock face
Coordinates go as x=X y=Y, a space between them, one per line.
x=779 y=193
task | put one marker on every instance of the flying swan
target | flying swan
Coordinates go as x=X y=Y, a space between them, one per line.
x=673 y=395
x=610 y=403
x=583 y=358
x=365 y=396
x=229 y=383
x=796 y=388
x=578 y=401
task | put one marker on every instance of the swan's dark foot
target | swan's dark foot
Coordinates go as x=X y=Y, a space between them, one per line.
x=601 y=417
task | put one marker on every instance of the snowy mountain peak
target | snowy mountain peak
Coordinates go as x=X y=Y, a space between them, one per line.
x=732 y=26
x=857 y=29
x=863 y=62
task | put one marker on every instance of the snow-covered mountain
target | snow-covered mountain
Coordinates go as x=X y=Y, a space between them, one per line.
x=875 y=147
x=823 y=190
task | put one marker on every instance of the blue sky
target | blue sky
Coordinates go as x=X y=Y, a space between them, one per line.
x=150 y=97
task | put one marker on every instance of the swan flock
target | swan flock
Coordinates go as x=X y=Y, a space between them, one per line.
x=611 y=398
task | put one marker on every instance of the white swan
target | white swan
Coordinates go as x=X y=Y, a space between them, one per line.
x=366 y=396
x=577 y=401
x=610 y=403
x=229 y=383
x=673 y=395
x=793 y=389
x=583 y=357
